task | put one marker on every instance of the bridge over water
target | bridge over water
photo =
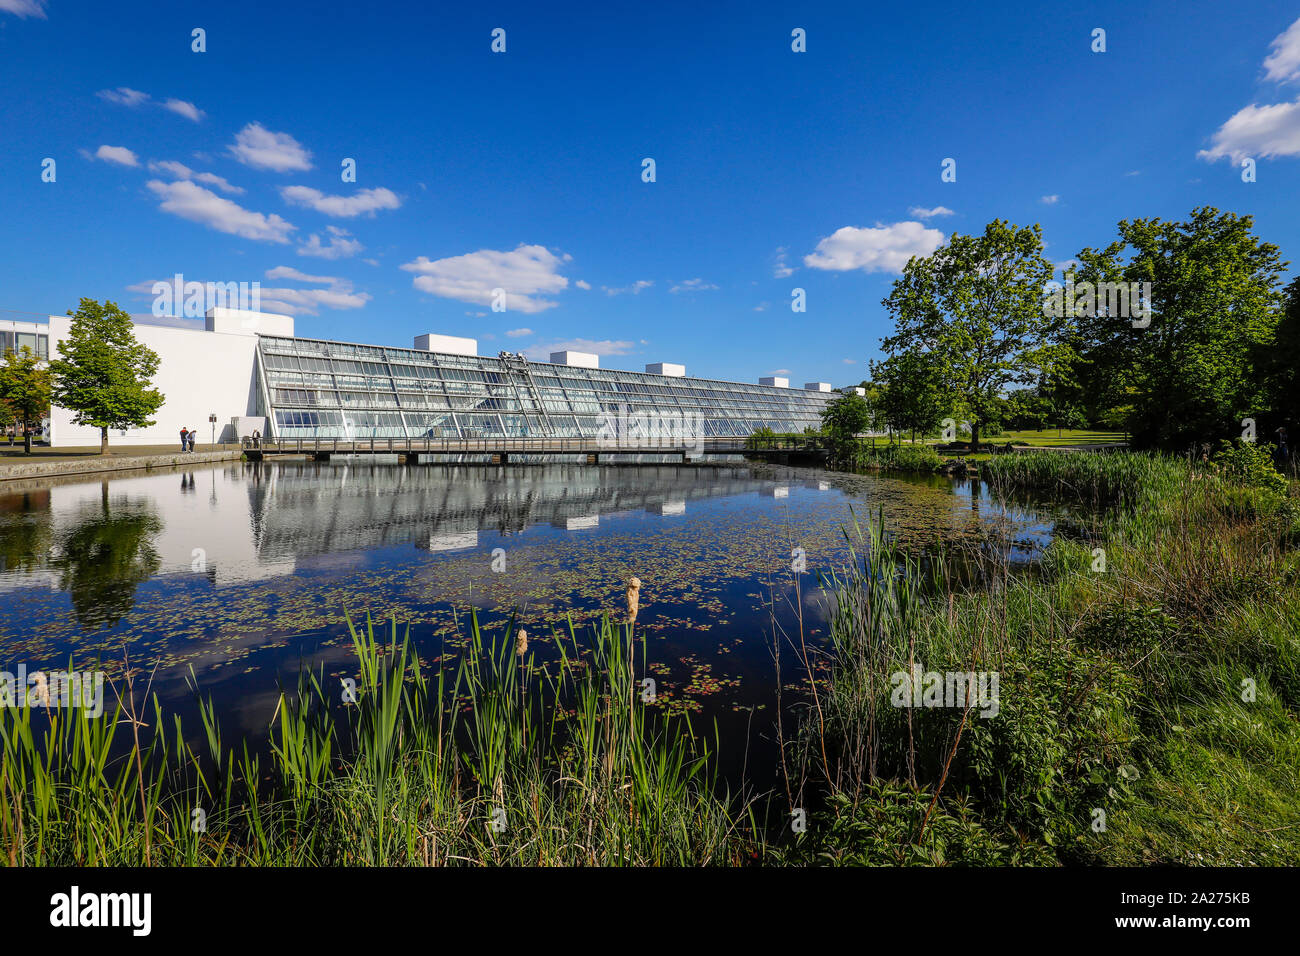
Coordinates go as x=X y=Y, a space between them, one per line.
x=504 y=450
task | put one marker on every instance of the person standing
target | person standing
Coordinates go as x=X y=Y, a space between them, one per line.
x=192 y=434
x=185 y=438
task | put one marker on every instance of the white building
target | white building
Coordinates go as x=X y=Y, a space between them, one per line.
x=243 y=370
x=201 y=372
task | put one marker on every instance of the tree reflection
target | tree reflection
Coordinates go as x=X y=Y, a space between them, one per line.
x=104 y=559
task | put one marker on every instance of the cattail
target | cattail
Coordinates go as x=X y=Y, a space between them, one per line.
x=633 y=598
x=521 y=643
x=40 y=692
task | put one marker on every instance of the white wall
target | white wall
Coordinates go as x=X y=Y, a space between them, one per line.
x=199 y=372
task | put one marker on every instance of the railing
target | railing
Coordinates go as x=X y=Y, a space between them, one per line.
x=487 y=446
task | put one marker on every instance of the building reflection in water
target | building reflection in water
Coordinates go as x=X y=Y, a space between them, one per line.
x=99 y=540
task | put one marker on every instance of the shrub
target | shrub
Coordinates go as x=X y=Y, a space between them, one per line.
x=1250 y=464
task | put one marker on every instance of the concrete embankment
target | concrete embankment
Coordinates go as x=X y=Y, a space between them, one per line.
x=95 y=464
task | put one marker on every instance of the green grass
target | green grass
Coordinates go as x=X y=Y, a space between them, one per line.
x=1121 y=689
x=1050 y=437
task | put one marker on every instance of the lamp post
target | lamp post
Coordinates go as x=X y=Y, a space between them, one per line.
x=212 y=418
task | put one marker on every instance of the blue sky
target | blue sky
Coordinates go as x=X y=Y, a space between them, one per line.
x=775 y=170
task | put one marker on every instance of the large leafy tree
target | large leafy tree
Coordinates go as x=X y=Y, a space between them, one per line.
x=1194 y=371
x=974 y=308
x=25 y=389
x=103 y=375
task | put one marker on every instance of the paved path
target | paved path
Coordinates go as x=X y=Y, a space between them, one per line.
x=42 y=467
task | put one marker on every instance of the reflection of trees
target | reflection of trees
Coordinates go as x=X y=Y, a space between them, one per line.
x=103 y=560
x=24 y=542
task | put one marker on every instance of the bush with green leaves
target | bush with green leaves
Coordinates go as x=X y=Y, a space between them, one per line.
x=895 y=825
x=1251 y=464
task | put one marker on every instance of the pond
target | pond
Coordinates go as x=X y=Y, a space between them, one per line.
x=244 y=573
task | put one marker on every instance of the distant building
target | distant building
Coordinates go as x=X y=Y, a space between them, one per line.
x=250 y=371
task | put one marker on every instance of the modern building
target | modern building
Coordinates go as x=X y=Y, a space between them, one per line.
x=246 y=370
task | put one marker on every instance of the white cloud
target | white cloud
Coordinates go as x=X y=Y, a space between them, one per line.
x=340 y=245
x=692 y=285
x=1283 y=64
x=190 y=201
x=920 y=212
x=125 y=96
x=1259 y=132
x=1051 y=200
x=526 y=274
x=781 y=270
x=184 y=108
x=289 y=272
x=181 y=171
x=117 y=154
x=635 y=288
x=542 y=352
x=781 y=371
x=849 y=361
x=519 y=333
x=339 y=293
x=761 y=307
x=122 y=96
x=879 y=249
x=212 y=179
x=24 y=8
x=1264 y=132
x=583 y=284
x=259 y=147
x=1066 y=266
x=345 y=207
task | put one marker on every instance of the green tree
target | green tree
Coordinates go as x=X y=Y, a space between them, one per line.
x=1190 y=366
x=975 y=308
x=103 y=559
x=25 y=389
x=103 y=374
x=912 y=395
x=7 y=417
x=844 y=417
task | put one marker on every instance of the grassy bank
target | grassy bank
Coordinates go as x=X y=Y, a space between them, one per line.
x=1149 y=682
x=1145 y=711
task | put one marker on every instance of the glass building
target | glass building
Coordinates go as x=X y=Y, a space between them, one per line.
x=310 y=388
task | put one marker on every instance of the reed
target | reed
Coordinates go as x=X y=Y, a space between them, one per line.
x=503 y=760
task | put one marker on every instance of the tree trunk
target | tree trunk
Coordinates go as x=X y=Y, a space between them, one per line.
x=974 y=436
x=103 y=440
x=27 y=437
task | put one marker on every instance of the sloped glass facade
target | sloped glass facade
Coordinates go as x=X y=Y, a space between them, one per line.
x=318 y=389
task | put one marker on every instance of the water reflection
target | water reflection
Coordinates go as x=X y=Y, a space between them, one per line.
x=244 y=572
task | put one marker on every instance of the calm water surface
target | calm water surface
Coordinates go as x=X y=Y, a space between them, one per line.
x=244 y=572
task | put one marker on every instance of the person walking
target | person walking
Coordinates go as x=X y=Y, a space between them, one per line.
x=185 y=438
x=192 y=434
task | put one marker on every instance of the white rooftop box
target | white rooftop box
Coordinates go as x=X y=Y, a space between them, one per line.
x=579 y=359
x=247 y=322
x=855 y=390
x=666 y=368
x=449 y=344
x=817 y=386
x=775 y=381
